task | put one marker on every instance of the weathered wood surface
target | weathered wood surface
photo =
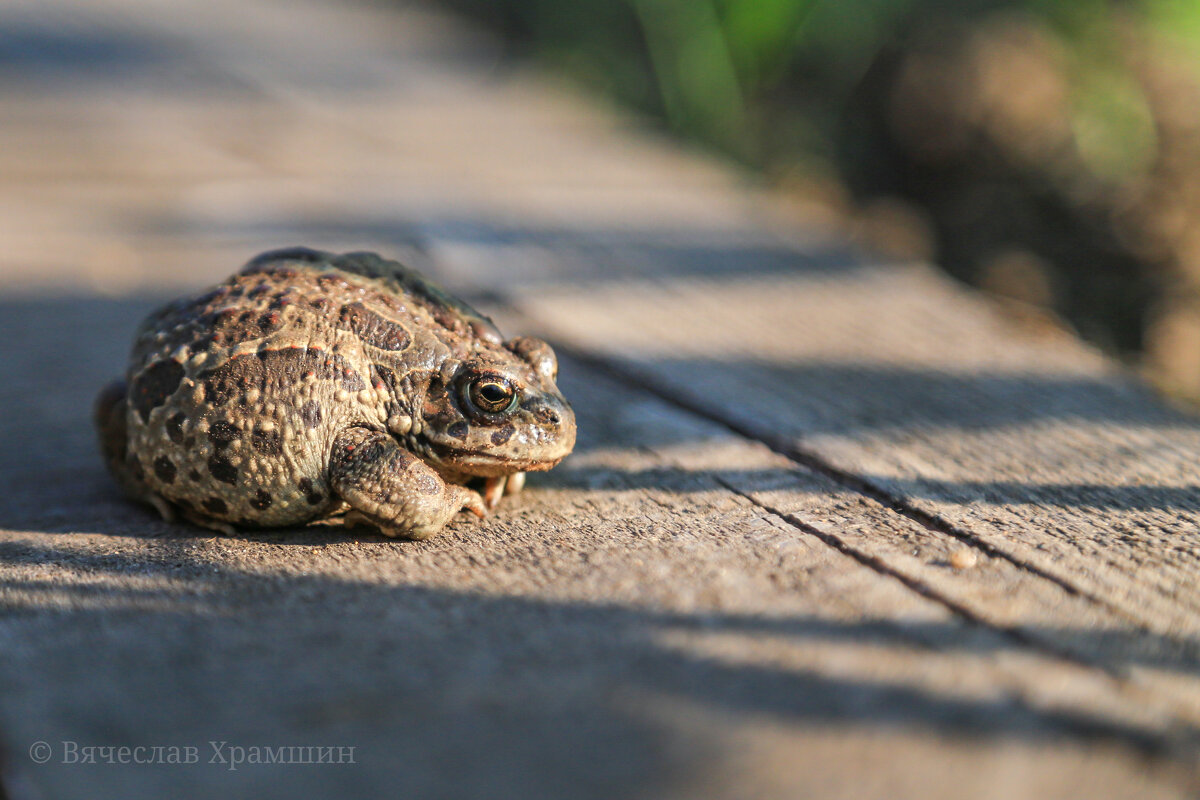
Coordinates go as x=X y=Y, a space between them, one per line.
x=742 y=584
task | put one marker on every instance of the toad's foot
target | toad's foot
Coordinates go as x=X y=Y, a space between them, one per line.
x=495 y=488
x=392 y=489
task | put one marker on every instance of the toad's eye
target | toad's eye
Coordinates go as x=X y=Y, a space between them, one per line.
x=492 y=394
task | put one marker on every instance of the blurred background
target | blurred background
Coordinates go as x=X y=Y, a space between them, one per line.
x=1047 y=151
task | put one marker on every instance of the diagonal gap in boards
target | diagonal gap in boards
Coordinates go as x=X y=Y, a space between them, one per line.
x=810 y=460
x=848 y=480
x=1149 y=743
x=880 y=566
x=791 y=450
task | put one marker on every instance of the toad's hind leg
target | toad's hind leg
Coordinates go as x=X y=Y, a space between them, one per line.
x=391 y=488
x=109 y=414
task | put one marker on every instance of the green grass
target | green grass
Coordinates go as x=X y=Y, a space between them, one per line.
x=734 y=74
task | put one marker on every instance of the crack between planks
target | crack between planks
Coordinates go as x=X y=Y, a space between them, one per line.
x=806 y=458
x=1150 y=743
x=848 y=480
x=881 y=567
x=861 y=486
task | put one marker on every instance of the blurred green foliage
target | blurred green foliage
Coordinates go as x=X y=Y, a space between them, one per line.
x=1047 y=150
x=768 y=79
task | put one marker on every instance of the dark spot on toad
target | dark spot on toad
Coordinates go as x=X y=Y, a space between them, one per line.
x=269 y=369
x=373 y=329
x=262 y=500
x=382 y=377
x=310 y=494
x=502 y=435
x=154 y=385
x=267 y=442
x=222 y=433
x=371 y=451
x=458 y=430
x=270 y=322
x=402 y=460
x=184 y=504
x=310 y=412
x=175 y=427
x=282 y=299
x=193 y=475
x=222 y=469
x=164 y=468
x=233 y=327
x=215 y=505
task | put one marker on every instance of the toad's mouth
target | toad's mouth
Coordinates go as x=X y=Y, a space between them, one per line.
x=489 y=465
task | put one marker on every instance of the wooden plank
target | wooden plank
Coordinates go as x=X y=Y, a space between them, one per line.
x=631 y=622
x=1032 y=450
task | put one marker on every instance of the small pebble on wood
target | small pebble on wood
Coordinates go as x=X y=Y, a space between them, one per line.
x=963 y=558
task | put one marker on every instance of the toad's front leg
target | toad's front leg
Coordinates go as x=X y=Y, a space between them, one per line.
x=495 y=488
x=391 y=488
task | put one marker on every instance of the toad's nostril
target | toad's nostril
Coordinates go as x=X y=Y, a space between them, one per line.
x=547 y=416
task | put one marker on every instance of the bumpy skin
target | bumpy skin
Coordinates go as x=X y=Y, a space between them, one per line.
x=312 y=384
